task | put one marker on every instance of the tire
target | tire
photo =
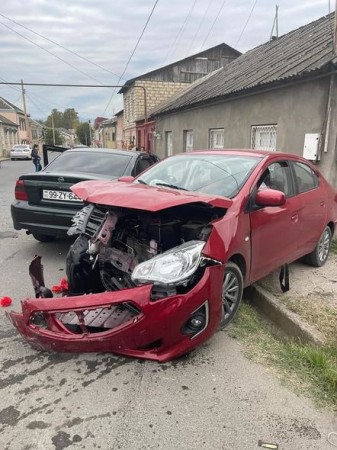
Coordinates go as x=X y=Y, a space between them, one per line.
x=43 y=237
x=320 y=253
x=232 y=290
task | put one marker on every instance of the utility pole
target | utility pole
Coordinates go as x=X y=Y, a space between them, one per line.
x=335 y=32
x=28 y=133
x=53 y=126
x=90 y=133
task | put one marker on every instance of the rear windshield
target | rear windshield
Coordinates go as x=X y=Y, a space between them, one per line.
x=95 y=163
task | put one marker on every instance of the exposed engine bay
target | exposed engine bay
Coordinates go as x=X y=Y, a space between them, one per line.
x=114 y=241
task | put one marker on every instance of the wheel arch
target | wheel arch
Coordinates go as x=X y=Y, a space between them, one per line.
x=239 y=260
x=331 y=225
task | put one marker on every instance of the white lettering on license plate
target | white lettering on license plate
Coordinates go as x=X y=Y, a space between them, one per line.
x=60 y=195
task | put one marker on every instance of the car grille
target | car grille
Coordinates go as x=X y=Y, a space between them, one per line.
x=87 y=221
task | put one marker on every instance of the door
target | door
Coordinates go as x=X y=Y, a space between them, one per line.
x=313 y=211
x=275 y=229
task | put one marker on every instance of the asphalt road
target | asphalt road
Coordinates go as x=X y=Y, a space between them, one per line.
x=213 y=399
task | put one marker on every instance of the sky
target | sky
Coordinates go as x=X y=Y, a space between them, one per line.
x=108 y=42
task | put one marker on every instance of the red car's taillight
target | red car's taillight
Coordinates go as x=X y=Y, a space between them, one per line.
x=20 y=193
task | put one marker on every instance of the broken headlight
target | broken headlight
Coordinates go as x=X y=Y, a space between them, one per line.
x=174 y=266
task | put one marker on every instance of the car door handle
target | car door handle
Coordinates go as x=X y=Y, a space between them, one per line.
x=294 y=218
x=322 y=203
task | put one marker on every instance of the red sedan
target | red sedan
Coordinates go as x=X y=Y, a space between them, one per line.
x=161 y=260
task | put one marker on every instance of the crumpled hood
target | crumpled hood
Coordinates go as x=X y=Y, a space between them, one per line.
x=139 y=196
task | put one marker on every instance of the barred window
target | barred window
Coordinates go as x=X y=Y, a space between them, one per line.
x=216 y=138
x=263 y=137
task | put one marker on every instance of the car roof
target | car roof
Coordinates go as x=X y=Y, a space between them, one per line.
x=241 y=152
x=113 y=151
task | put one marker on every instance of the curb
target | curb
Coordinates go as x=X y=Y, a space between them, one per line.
x=287 y=321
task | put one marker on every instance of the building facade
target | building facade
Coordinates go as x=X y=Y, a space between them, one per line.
x=279 y=96
x=144 y=93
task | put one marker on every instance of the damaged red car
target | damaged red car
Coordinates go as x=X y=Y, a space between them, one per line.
x=161 y=261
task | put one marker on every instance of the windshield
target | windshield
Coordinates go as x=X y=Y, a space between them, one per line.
x=211 y=174
x=111 y=165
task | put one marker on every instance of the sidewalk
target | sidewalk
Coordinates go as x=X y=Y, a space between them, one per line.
x=3 y=158
x=309 y=309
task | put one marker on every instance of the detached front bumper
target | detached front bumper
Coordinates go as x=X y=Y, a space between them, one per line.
x=135 y=326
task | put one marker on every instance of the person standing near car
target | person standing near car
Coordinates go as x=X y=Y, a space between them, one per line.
x=36 y=158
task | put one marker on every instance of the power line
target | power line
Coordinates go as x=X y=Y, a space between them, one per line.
x=180 y=32
x=248 y=19
x=199 y=26
x=59 y=45
x=15 y=83
x=133 y=52
x=212 y=26
x=51 y=53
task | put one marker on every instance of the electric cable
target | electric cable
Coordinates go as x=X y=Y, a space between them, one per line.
x=59 y=45
x=132 y=53
x=180 y=33
x=199 y=26
x=51 y=53
x=248 y=19
x=214 y=22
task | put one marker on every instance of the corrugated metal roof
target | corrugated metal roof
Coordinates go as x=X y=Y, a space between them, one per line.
x=303 y=51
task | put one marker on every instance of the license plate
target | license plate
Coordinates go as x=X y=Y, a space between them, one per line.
x=60 y=195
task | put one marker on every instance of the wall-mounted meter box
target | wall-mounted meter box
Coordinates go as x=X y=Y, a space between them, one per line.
x=310 y=150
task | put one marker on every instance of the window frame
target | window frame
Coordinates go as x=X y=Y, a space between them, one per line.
x=187 y=134
x=256 y=130
x=295 y=178
x=221 y=132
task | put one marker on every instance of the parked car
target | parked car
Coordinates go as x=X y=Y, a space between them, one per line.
x=21 y=151
x=161 y=262
x=44 y=203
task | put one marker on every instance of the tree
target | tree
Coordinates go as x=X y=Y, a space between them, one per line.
x=70 y=119
x=83 y=133
x=56 y=117
x=67 y=119
x=49 y=138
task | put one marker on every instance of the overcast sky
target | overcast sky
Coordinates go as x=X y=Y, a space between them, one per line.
x=84 y=42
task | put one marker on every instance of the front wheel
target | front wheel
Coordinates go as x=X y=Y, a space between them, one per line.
x=232 y=290
x=43 y=237
x=320 y=253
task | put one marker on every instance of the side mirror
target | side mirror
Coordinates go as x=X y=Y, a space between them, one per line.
x=126 y=179
x=270 y=197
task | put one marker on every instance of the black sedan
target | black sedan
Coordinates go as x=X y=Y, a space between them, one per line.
x=44 y=204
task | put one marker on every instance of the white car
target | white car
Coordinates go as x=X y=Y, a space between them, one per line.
x=21 y=151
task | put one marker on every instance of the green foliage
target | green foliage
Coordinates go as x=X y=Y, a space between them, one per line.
x=67 y=119
x=83 y=133
x=49 y=138
x=306 y=368
x=334 y=246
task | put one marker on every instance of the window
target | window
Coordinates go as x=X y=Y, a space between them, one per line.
x=216 y=138
x=306 y=179
x=188 y=140
x=168 y=143
x=277 y=176
x=143 y=163
x=263 y=137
